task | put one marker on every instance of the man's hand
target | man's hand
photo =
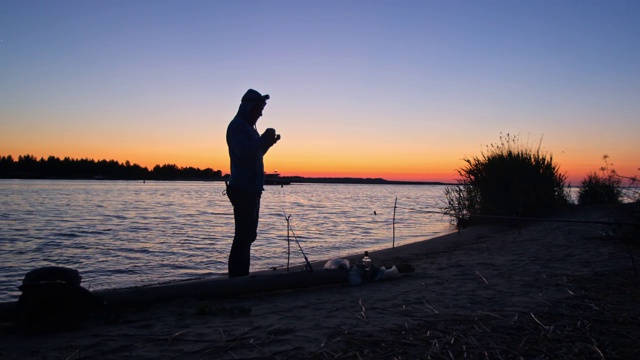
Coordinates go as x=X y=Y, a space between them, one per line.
x=270 y=136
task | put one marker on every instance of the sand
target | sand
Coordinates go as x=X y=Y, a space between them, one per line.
x=514 y=281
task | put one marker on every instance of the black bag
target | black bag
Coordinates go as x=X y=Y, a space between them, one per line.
x=52 y=300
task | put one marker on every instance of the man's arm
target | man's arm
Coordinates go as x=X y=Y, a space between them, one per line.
x=244 y=142
x=269 y=138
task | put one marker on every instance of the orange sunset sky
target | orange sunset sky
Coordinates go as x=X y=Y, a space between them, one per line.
x=398 y=90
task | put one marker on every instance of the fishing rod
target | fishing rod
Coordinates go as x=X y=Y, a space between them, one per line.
x=289 y=227
x=307 y=266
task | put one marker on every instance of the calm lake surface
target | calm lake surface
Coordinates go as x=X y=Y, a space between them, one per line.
x=124 y=233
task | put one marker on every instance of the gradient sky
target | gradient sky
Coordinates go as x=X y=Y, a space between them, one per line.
x=402 y=90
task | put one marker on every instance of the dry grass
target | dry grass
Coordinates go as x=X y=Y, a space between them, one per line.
x=599 y=319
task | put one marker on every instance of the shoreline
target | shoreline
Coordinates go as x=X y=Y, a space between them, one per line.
x=161 y=292
x=501 y=286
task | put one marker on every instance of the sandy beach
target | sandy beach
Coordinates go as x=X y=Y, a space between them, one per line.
x=533 y=291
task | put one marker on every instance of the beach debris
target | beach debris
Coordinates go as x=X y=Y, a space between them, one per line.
x=337 y=264
x=365 y=271
x=358 y=276
x=387 y=274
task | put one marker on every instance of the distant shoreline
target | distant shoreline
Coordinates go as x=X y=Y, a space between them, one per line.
x=54 y=168
x=349 y=180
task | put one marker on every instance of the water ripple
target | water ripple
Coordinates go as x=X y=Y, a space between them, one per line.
x=119 y=233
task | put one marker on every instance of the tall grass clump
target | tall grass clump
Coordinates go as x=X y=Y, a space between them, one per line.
x=603 y=188
x=608 y=187
x=507 y=179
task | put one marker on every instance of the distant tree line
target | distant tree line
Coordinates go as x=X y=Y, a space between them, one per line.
x=29 y=167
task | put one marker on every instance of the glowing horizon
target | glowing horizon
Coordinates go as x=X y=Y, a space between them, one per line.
x=574 y=174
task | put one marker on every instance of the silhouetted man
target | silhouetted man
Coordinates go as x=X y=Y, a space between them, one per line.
x=246 y=151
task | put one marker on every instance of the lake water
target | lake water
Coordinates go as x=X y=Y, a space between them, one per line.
x=124 y=233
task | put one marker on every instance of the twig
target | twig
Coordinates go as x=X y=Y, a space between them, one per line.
x=485 y=280
x=427 y=305
x=538 y=321
x=599 y=352
x=363 y=310
x=492 y=314
x=174 y=336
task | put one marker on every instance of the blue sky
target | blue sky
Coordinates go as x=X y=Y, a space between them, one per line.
x=396 y=89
